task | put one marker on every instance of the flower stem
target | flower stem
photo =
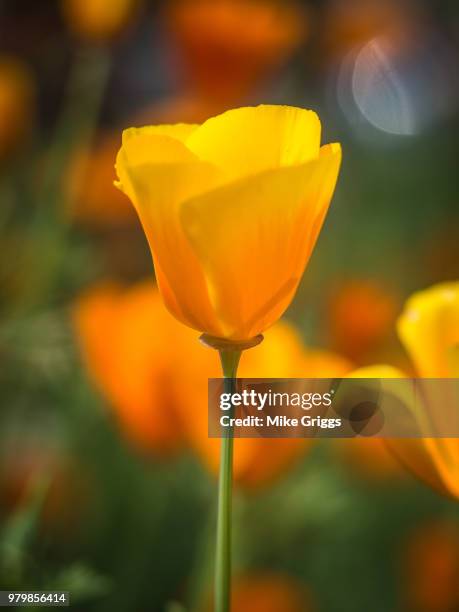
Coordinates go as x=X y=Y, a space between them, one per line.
x=230 y=360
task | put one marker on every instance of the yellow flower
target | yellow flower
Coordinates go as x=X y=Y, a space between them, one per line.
x=429 y=330
x=98 y=19
x=232 y=210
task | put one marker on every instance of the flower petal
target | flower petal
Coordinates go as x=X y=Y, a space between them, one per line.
x=254 y=238
x=158 y=173
x=249 y=140
x=429 y=330
x=433 y=460
x=178 y=131
x=146 y=148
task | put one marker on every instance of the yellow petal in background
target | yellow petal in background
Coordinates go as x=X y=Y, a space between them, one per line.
x=429 y=330
x=377 y=371
x=253 y=239
x=248 y=140
x=434 y=460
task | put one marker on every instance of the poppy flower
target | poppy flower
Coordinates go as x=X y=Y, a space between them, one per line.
x=429 y=330
x=232 y=210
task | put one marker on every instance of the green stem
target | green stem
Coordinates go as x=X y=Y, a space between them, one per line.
x=230 y=360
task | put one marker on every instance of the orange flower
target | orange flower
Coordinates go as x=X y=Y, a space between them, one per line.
x=432 y=568
x=227 y=46
x=98 y=20
x=269 y=592
x=16 y=103
x=125 y=338
x=361 y=315
x=153 y=373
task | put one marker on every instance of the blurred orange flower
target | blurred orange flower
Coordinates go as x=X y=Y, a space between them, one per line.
x=98 y=20
x=133 y=369
x=361 y=314
x=429 y=330
x=431 y=564
x=17 y=98
x=92 y=196
x=269 y=592
x=228 y=46
x=153 y=373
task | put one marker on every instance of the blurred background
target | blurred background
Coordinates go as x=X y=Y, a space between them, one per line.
x=107 y=478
